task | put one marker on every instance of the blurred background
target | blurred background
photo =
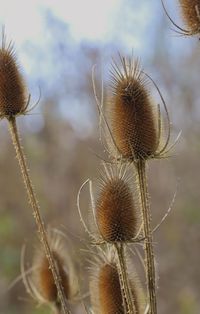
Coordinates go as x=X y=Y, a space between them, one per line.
x=57 y=44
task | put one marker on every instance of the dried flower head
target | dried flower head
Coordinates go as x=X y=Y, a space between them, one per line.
x=105 y=286
x=45 y=279
x=190 y=10
x=110 y=296
x=131 y=114
x=41 y=284
x=116 y=212
x=13 y=98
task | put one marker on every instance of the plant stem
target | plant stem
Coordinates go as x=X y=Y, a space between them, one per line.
x=148 y=244
x=36 y=210
x=125 y=287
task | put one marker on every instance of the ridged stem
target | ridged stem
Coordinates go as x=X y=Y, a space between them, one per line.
x=36 y=210
x=148 y=243
x=125 y=287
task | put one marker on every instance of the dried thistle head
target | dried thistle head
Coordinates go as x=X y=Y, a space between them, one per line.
x=105 y=286
x=130 y=112
x=134 y=126
x=190 y=10
x=110 y=296
x=116 y=212
x=45 y=279
x=13 y=98
x=40 y=284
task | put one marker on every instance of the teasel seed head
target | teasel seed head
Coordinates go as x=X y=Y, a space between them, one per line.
x=190 y=10
x=116 y=212
x=46 y=283
x=105 y=286
x=40 y=284
x=110 y=296
x=13 y=98
x=130 y=112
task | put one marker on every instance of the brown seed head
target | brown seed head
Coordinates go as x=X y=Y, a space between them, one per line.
x=191 y=15
x=110 y=296
x=12 y=89
x=40 y=284
x=131 y=115
x=105 y=286
x=116 y=213
x=46 y=283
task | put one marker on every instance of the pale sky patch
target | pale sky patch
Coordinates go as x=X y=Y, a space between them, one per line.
x=87 y=19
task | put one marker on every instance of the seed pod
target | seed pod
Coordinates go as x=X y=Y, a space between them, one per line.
x=13 y=100
x=116 y=213
x=190 y=10
x=45 y=281
x=110 y=296
x=40 y=284
x=131 y=114
x=105 y=286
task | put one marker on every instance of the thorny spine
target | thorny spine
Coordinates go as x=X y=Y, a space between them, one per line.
x=148 y=242
x=36 y=212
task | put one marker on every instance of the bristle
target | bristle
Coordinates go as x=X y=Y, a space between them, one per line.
x=131 y=116
x=12 y=89
x=191 y=15
x=116 y=212
x=110 y=296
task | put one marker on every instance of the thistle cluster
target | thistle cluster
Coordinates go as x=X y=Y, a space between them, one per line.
x=121 y=210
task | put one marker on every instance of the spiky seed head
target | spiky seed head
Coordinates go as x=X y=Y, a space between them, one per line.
x=131 y=113
x=191 y=15
x=110 y=296
x=40 y=284
x=116 y=213
x=105 y=285
x=13 y=98
x=46 y=282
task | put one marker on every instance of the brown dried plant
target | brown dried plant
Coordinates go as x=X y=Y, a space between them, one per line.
x=107 y=289
x=190 y=12
x=40 y=283
x=131 y=114
x=115 y=210
x=116 y=221
x=13 y=98
x=14 y=102
x=135 y=135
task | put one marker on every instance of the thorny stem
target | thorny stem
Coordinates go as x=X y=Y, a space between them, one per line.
x=36 y=211
x=125 y=287
x=148 y=245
